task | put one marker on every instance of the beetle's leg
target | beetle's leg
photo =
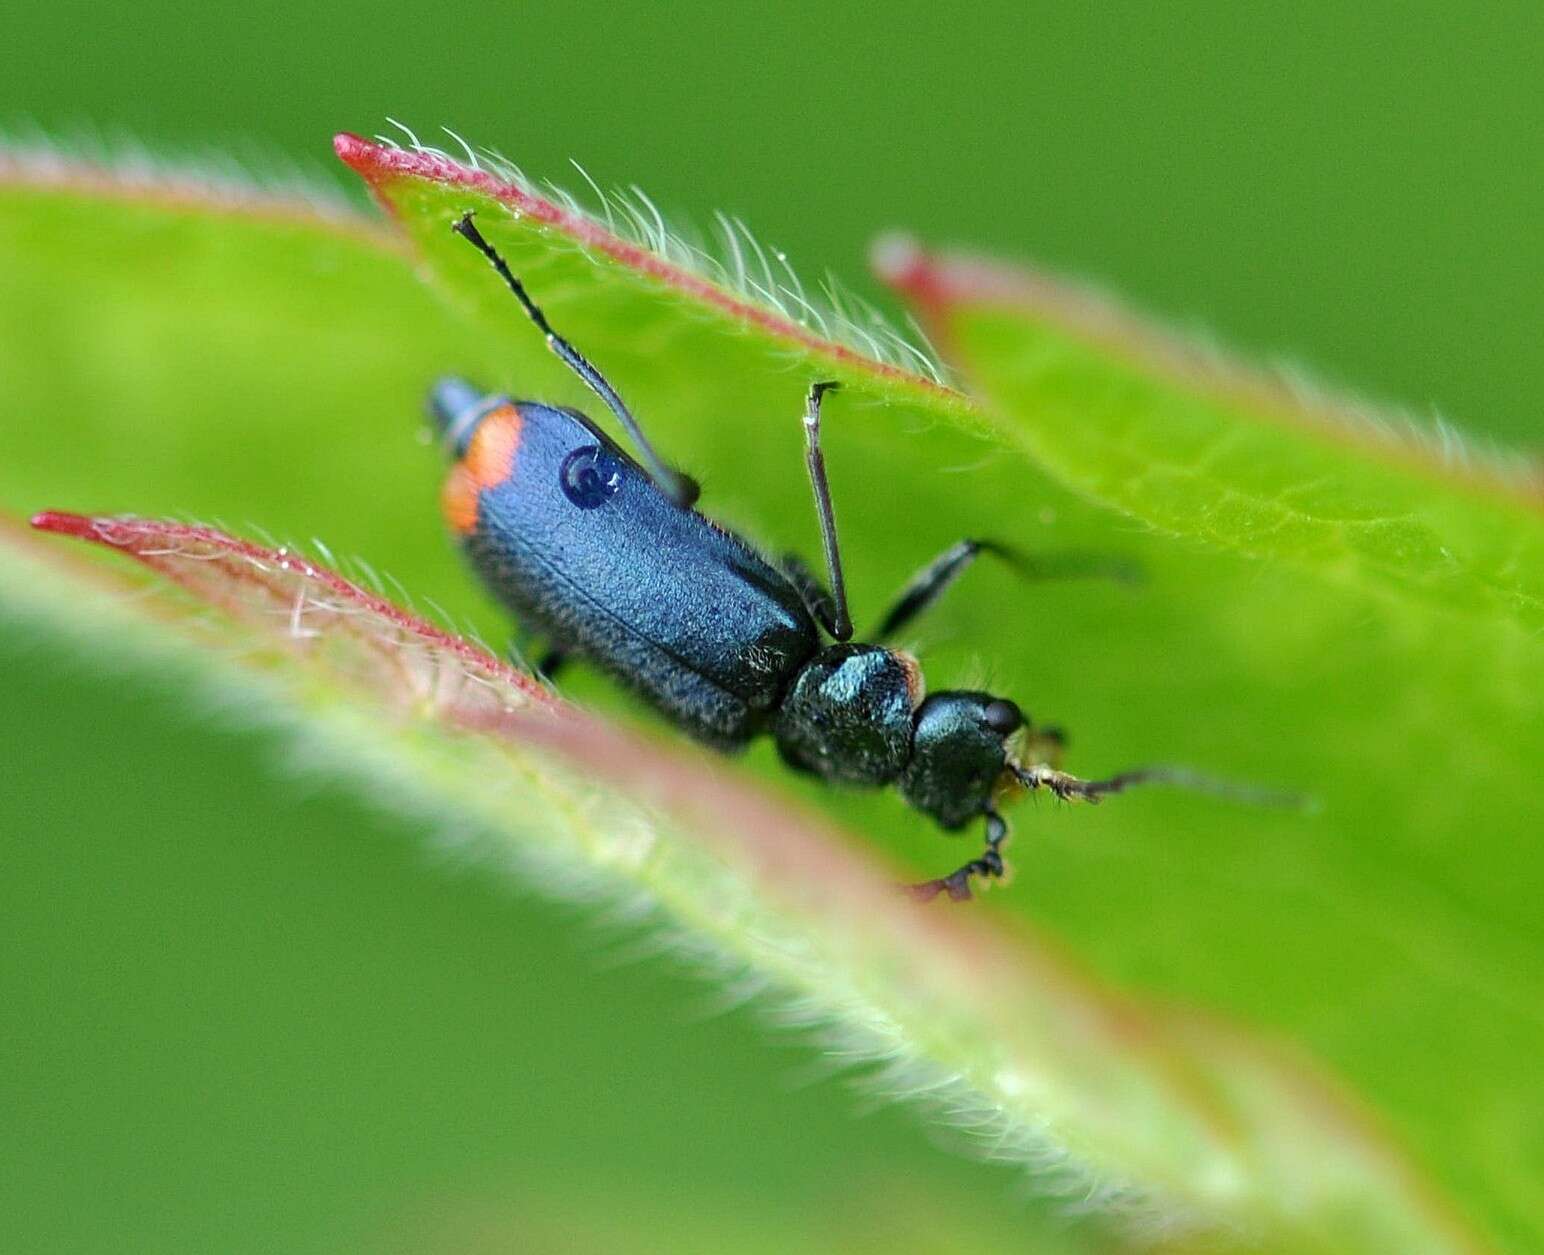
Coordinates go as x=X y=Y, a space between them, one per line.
x=553 y=661
x=840 y=626
x=957 y=883
x=815 y=596
x=930 y=583
x=547 y=665
x=682 y=489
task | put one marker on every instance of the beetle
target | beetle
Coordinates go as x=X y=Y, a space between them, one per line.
x=607 y=559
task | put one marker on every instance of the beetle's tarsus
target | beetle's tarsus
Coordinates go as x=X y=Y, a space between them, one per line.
x=988 y=865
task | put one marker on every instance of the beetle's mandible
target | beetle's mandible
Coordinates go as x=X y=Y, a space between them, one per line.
x=606 y=559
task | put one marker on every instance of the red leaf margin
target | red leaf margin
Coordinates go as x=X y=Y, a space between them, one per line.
x=939 y=285
x=278 y=589
x=997 y=963
x=379 y=164
x=188 y=188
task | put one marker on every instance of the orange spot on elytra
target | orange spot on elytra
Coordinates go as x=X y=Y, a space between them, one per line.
x=489 y=459
x=458 y=499
x=491 y=455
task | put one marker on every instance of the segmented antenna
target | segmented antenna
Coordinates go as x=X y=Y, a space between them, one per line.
x=681 y=489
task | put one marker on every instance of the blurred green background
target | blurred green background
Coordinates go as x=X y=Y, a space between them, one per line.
x=259 y=1017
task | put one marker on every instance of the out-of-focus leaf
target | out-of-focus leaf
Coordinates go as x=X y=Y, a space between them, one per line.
x=1181 y=437
x=975 y=1018
x=301 y=425
x=1379 y=654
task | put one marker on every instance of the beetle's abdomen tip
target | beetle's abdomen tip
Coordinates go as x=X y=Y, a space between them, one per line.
x=455 y=404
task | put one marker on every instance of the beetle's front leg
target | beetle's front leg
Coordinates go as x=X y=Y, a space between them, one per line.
x=989 y=864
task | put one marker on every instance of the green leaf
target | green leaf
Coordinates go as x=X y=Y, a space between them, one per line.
x=299 y=346
x=1265 y=465
x=1027 y=1045
x=1381 y=637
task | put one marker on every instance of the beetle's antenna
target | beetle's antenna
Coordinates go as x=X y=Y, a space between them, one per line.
x=680 y=488
x=1069 y=787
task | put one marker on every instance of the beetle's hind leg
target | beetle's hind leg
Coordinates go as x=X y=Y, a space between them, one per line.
x=988 y=865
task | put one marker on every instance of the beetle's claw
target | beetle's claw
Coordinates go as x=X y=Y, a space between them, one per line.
x=957 y=883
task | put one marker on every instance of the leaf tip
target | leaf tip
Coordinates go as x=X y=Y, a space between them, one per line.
x=351 y=149
x=380 y=162
x=370 y=160
x=899 y=260
x=62 y=522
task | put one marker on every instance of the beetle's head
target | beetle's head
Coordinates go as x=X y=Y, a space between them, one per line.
x=960 y=754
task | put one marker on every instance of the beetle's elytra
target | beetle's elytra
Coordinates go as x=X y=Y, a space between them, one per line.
x=606 y=559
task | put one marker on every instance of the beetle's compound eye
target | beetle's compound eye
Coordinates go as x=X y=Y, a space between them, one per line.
x=1003 y=716
x=590 y=476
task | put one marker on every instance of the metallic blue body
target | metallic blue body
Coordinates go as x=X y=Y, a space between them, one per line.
x=678 y=609
x=610 y=561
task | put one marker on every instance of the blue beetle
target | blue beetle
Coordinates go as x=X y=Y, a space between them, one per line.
x=606 y=559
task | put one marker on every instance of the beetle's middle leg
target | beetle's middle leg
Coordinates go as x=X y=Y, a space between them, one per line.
x=933 y=580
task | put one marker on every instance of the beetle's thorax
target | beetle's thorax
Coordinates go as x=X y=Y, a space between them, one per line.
x=959 y=755
x=856 y=714
x=848 y=714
